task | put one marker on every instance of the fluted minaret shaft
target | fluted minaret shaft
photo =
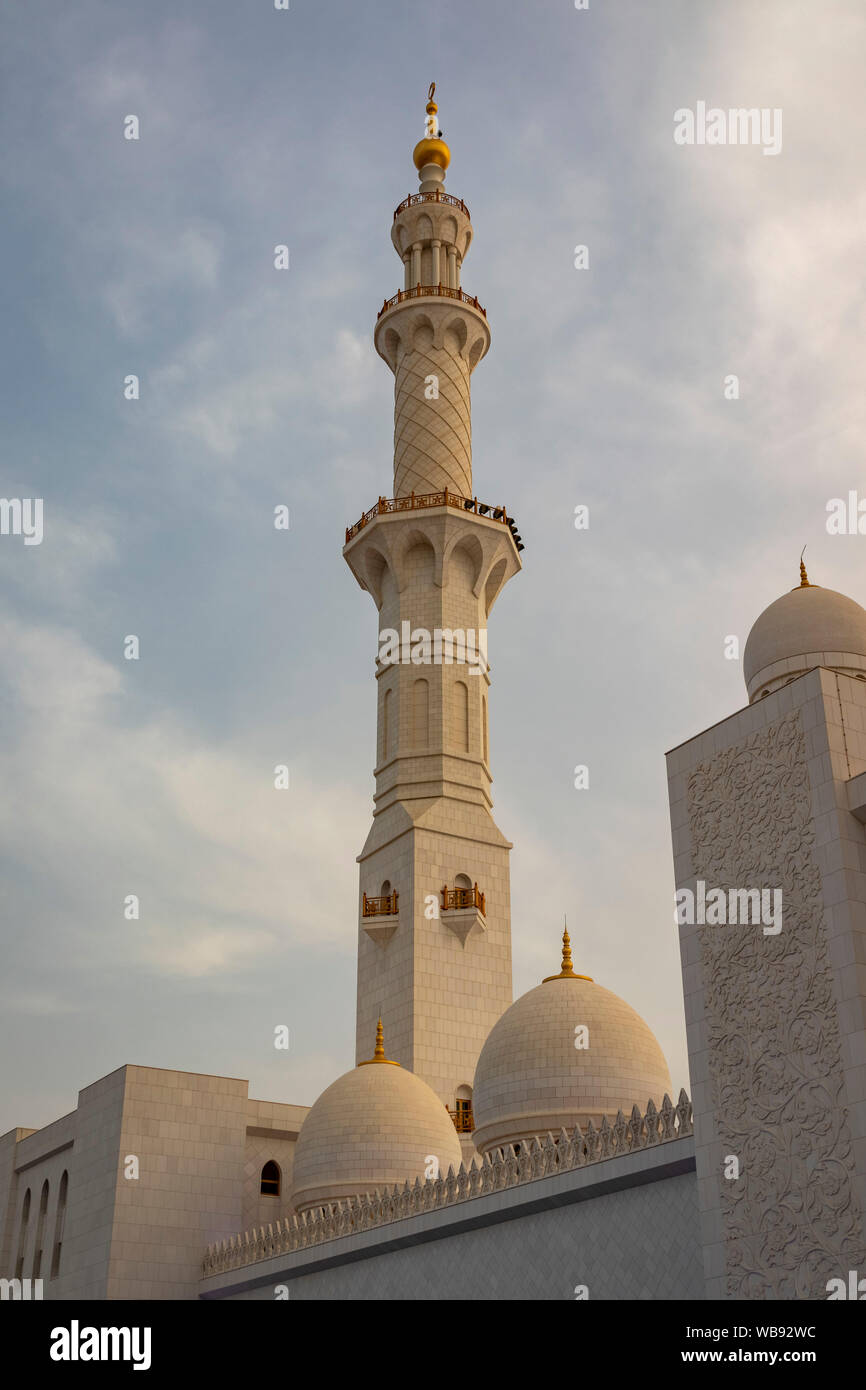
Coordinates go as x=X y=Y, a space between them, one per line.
x=432 y=334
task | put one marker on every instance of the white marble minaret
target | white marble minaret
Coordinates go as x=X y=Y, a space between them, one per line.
x=436 y=965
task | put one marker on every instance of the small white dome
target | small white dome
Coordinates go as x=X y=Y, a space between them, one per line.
x=807 y=627
x=531 y=1079
x=373 y=1128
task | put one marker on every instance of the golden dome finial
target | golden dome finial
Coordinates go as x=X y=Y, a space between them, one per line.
x=379 y=1050
x=804 y=578
x=567 y=968
x=432 y=149
x=567 y=971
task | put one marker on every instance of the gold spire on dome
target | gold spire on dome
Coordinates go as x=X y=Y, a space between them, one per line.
x=432 y=149
x=379 y=1050
x=567 y=972
x=805 y=582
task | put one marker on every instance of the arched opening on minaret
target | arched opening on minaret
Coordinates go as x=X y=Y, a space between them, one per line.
x=420 y=714
x=386 y=723
x=461 y=716
x=495 y=580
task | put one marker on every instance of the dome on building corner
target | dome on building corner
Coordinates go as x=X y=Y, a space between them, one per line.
x=375 y=1127
x=805 y=628
x=532 y=1080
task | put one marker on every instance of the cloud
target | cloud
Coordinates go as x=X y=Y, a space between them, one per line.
x=110 y=802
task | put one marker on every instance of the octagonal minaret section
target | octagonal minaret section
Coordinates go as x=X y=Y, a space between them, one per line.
x=432 y=333
x=434 y=924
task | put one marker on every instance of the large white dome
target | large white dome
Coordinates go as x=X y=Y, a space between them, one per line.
x=531 y=1079
x=375 y=1126
x=807 y=627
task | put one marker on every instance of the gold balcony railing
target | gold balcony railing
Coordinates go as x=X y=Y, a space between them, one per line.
x=463 y=1121
x=421 y=290
x=462 y=897
x=436 y=197
x=417 y=501
x=380 y=907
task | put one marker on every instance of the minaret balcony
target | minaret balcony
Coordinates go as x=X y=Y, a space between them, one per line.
x=456 y=898
x=420 y=501
x=380 y=917
x=464 y=912
x=380 y=907
x=439 y=291
x=438 y=197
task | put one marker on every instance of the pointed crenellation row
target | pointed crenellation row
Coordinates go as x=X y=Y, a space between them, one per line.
x=507 y=1167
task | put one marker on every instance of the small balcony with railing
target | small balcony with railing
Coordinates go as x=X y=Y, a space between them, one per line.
x=463 y=1119
x=380 y=916
x=463 y=908
x=455 y=898
x=387 y=906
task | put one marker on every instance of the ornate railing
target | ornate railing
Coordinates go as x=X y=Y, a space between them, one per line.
x=436 y=197
x=380 y=907
x=463 y=1121
x=416 y=501
x=510 y=1167
x=462 y=897
x=421 y=290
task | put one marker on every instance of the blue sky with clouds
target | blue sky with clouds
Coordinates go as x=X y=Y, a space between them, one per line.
x=603 y=386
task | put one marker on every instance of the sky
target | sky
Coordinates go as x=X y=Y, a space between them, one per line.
x=605 y=387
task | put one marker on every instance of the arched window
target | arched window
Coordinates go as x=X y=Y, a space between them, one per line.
x=40 y=1230
x=271 y=1179
x=59 y=1222
x=386 y=888
x=386 y=724
x=461 y=716
x=22 y=1235
x=463 y=1112
x=463 y=881
x=484 y=726
x=420 y=713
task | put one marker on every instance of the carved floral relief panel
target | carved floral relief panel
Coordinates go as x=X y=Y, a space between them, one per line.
x=791 y=1220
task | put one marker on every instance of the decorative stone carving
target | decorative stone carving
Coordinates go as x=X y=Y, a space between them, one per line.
x=791 y=1220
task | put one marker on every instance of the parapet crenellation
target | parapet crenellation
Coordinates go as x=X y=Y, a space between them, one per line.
x=505 y=1167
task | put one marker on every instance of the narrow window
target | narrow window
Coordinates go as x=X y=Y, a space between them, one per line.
x=420 y=714
x=22 y=1235
x=40 y=1230
x=386 y=725
x=484 y=726
x=461 y=716
x=271 y=1179
x=59 y=1222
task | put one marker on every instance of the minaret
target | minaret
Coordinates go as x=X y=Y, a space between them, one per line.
x=434 y=938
